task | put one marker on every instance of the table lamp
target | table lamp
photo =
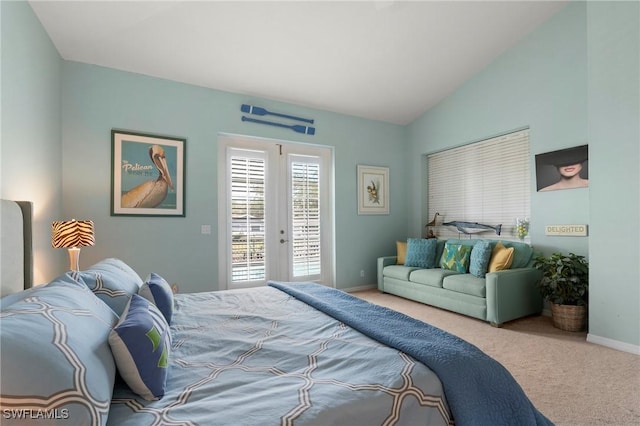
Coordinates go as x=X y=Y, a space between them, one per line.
x=72 y=234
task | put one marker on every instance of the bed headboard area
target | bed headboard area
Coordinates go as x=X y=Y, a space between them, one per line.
x=16 y=249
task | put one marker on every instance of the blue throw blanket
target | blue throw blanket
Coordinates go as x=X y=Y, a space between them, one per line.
x=479 y=390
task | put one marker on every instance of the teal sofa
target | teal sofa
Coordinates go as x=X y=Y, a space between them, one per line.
x=497 y=298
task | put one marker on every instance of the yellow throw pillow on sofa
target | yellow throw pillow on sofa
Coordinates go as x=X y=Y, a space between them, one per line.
x=401 y=247
x=501 y=257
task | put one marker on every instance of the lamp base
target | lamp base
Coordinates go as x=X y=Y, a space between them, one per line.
x=74 y=258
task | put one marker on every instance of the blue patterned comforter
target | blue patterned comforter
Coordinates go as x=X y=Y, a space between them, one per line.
x=262 y=357
x=480 y=391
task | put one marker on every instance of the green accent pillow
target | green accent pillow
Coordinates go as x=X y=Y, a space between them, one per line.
x=455 y=257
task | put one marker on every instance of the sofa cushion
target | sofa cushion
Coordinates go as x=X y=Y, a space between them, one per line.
x=501 y=258
x=466 y=283
x=401 y=248
x=439 y=249
x=480 y=256
x=432 y=277
x=456 y=257
x=421 y=252
x=522 y=253
x=398 y=271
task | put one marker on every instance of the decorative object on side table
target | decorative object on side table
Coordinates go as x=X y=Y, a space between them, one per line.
x=434 y=222
x=565 y=283
x=522 y=227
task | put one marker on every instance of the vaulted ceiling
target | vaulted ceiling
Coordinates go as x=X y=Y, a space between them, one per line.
x=382 y=60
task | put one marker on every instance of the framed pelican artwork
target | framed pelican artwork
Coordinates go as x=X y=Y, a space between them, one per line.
x=147 y=174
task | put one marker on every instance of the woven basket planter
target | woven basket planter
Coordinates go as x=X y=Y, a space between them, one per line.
x=569 y=317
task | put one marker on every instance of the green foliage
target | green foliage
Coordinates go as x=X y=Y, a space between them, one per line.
x=565 y=278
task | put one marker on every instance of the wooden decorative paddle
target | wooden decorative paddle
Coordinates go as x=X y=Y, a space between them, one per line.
x=255 y=110
x=295 y=127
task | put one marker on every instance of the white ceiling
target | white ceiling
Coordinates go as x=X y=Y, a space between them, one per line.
x=382 y=60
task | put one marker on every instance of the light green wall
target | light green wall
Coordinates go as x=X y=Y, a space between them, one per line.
x=97 y=99
x=541 y=84
x=564 y=81
x=30 y=144
x=573 y=81
x=614 y=135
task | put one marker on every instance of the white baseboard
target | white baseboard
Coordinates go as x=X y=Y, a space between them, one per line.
x=614 y=344
x=359 y=288
x=603 y=341
x=592 y=338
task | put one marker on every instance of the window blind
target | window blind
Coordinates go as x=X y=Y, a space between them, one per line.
x=247 y=218
x=486 y=182
x=305 y=218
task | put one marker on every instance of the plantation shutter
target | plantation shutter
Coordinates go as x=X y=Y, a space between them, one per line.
x=305 y=216
x=248 y=174
x=486 y=182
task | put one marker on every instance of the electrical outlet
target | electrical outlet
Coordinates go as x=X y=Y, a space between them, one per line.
x=205 y=229
x=362 y=273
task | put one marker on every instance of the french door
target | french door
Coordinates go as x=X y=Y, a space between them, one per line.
x=275 y=212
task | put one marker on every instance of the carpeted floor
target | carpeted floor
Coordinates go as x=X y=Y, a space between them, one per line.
x=569 y=380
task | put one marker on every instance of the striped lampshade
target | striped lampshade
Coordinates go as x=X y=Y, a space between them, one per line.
x=72 y=233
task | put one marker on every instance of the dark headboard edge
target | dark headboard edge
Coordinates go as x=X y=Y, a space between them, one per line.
x=27 y=225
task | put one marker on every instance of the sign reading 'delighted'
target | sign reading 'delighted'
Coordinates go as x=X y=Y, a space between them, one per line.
x=566 y=230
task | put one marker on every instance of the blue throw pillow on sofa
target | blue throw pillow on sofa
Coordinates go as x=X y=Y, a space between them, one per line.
x=480 y=256
x=421 y=253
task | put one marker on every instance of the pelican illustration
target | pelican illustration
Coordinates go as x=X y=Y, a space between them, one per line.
x=151 y=193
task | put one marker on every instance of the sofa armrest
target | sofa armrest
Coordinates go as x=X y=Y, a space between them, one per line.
x=512 y=294
x=382 y=262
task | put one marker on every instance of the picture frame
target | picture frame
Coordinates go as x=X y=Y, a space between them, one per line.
x=563 y=169
x=147 y=174
x=373 y=190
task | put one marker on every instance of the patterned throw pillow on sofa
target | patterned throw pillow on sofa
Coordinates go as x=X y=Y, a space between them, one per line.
x=479 y=261
x=421 y=253
x=455 y=257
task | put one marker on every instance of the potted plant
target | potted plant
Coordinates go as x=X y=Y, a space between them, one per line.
x=565 y=283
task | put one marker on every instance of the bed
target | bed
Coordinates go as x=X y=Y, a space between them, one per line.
x=103 y=346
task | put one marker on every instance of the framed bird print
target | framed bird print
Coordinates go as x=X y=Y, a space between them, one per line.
x=147 y=174
x=373 y=190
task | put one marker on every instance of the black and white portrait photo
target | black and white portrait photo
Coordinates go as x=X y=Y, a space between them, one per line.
x=563 y=169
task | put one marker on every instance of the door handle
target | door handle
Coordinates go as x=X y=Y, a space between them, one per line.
x=282 y=241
